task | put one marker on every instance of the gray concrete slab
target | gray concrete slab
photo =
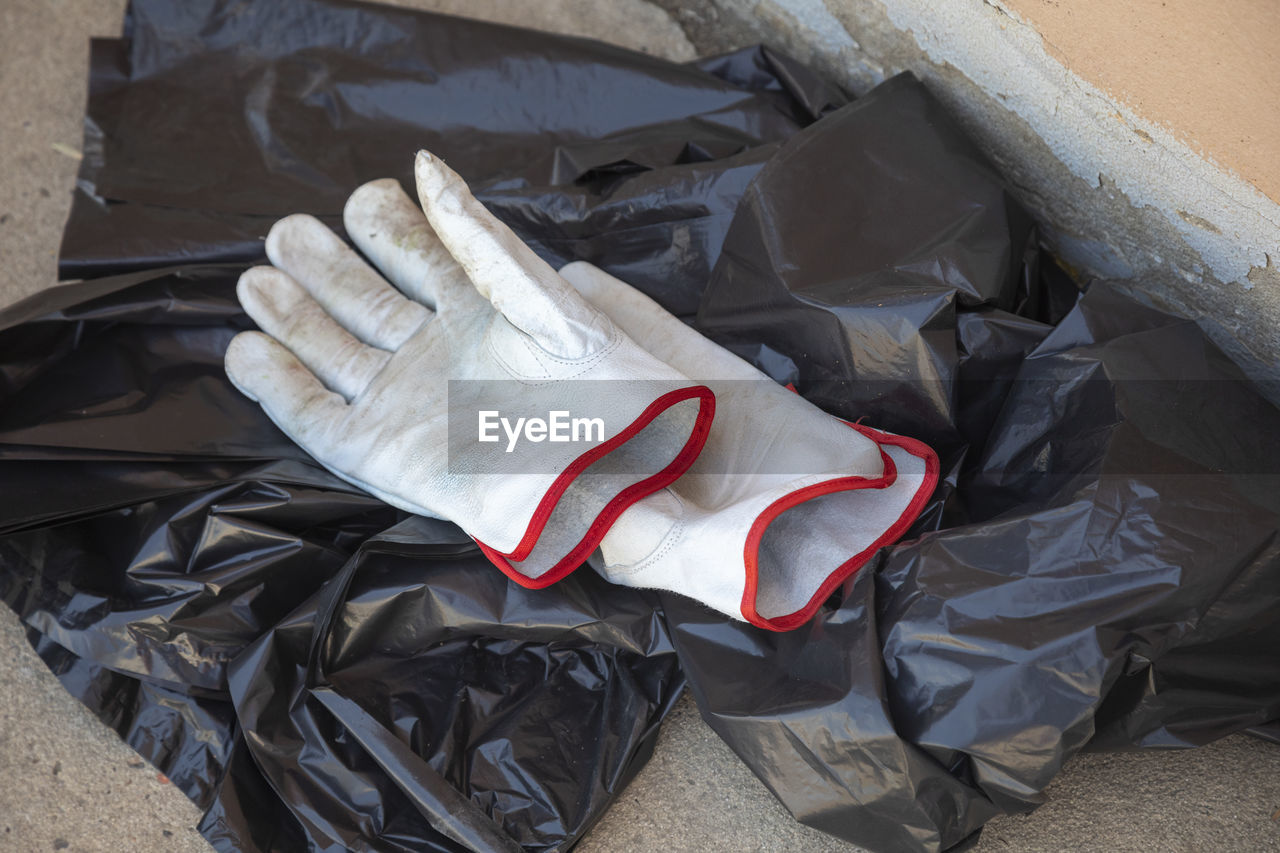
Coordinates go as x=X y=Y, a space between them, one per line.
x=67 y=782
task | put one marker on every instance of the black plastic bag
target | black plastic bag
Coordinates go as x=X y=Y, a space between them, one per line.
x=470 y=714
x=314 y=668
x=208 y=121
x=1118 y=579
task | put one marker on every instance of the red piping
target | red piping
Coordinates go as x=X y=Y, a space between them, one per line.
x=848 y=568
x=619 y=502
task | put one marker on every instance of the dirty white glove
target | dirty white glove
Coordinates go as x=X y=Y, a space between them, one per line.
x=362 y=374
x=785 y=501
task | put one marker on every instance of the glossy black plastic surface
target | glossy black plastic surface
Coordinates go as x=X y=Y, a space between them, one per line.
x=1100 y=568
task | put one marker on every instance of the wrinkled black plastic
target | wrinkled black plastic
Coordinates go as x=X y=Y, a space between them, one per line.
x=320 y=671
x=307 y=664
x=207 y=123
x=1118 y=581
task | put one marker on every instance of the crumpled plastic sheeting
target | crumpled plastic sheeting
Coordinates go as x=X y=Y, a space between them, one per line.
x=211 y=120
x=1108 y=568
x=413 y=702
x=313 y=668
x=532 y=712
x=263 y=634
x=319 y=670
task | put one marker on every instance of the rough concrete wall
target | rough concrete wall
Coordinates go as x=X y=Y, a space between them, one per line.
x=1119 y=196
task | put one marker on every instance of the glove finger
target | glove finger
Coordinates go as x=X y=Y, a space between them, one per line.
x=286 y=312
x=339 y=279
x=654 y=328
x=507 y=272
x=389 y=228
x=290 y=394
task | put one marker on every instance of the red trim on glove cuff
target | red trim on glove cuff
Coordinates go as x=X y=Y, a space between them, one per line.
x=847 y=569
x=620 y=502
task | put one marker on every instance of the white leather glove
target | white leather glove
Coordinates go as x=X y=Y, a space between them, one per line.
x=358 y=373
x=785 y=501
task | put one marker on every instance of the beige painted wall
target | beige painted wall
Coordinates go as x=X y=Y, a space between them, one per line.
x=1207 y=70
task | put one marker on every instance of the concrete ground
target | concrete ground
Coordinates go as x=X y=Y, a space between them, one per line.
x=67 y=782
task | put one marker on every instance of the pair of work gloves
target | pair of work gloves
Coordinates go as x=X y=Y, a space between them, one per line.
x=730 y=489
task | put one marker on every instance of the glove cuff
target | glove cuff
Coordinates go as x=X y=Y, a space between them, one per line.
x=547 y=552
x=772 y=549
